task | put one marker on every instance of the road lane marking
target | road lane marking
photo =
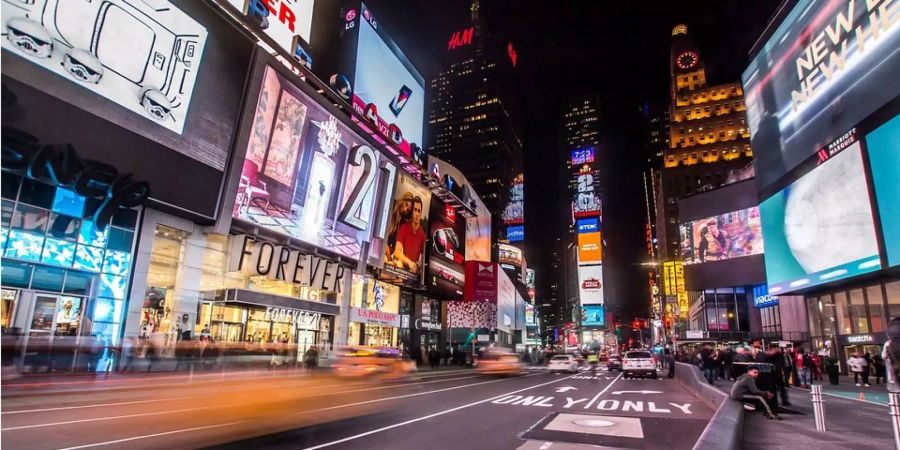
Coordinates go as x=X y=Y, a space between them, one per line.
x=636 y=392
x=98 y=405
x=588 y=405
x=566 y=388
x=570 y=402
x=147 y=436
x=97 y=419
x=430 y=416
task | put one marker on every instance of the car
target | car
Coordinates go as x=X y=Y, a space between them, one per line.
x=614 y=362
x=560 y=363
x=371 y=362
x=496 y=361
x=639 y=364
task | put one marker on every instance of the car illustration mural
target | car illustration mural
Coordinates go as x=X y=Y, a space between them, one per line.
x=141 y=54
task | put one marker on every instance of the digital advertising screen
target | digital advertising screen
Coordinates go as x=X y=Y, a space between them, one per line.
x=386 y=79
x=820 y=228
x=407 y=234
x=284 y=21
x=305 y=174
x=828 y=65
x=883 y=145
x=589 y=225
x=590 y=248
x=514 y=212
x=721 y=237
x=446 y=264
x=590 y=284
x=582 y=156
x=515 y=233
x=587 y=201
x=592 y=316
x=510 y=255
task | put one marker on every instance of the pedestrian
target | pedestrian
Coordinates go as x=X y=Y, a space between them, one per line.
x=776 y=358
x=671 y=361
x=745 y=389
x=816 y=366
x=434 y=358
x=856 y=364
x=878 y=369
x=742 y=356
x=311 y=359
x=446 y=355
x=803 y=364
x=867 y=369
x=728 y=363
x=891 y=356
x=709 y=363
x=788 y=369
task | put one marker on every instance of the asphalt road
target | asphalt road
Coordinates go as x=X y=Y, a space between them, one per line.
x=441 y=410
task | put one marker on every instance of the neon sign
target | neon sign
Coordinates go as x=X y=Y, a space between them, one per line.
x=461 y=39
x=511 y=52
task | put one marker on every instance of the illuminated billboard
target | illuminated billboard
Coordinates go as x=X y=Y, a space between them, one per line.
x=588 y=225
x=587 y=201
x=722 y=237
x=386 y=80
x=510 y=255
x=446 y=270
x=590 y=285
x=590 y=248
x=285 y=21
x=592 y=316
x=674 y=289
x=305 y=174
x=514 y=213
x=582 y=156
x=407 y=233
x=883 y=145
x=822 y=70
x=143 y=58
x=515 y=233
x=820 y=228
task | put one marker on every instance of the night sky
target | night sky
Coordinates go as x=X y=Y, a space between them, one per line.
x=618 y=49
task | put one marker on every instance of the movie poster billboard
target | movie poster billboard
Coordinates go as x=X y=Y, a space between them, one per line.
x=446 y=264
x=721 y=237
x=407 y=234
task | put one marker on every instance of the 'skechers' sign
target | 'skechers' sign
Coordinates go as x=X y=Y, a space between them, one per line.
x=278 y=262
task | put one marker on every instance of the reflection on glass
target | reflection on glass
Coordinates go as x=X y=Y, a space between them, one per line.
x=7 y=306
x=30 y=218
x=876 y=308
x=68 y=202
x=42 y=319
x=88 y=258
x=63 y=227
x=24 y=245
x=58 y=252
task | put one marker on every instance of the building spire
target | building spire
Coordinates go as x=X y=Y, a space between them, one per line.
x=474 y=9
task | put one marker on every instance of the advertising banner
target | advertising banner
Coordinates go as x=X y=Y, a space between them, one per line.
x=673 y=285
x=589 y=225
x=820 y=228
x=481 y=280
x=884 y=157
x=515 y=233
x=590 y=284
x=827 y=66
x=592 y=316
x=510 y=255
x=404 y=252
x=284 y=21
x=305 y=174
x=143 y=58
x=471 y=315
x=722 y=237
x=529 y=314
x=514 y=213
x=582 y=156
x=478 y=229
x=446 y=266
x=590 y=248
x=506 y=302
x=386 y=80
x=587 y=201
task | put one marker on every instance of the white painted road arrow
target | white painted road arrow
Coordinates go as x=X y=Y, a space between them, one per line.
x=566 y=388
x=636 y=392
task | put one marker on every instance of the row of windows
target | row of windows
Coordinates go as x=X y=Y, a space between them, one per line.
x=724 y=152
x=708 y=111
x=707 y=95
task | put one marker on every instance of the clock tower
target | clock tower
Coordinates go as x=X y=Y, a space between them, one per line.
x=684 y=62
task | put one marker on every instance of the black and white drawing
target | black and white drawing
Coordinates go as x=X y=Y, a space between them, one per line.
x=142 y=54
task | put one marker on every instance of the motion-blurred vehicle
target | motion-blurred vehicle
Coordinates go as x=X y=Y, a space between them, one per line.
x=614 y=363
x=561 y=363
x=378 y=363
x=639 y=364
x=499 y=362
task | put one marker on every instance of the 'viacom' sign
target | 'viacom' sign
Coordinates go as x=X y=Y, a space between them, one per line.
x=278 y=262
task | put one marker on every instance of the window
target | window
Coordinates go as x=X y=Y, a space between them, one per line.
x=858 y=311
x=876 y=308
x=844 y=325
x=892 y=290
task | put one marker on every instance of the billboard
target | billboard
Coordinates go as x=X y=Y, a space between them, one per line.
x=721 y=237
x=385 y=79
x=529 y=314
x=510 y=255
x=407 y=234
x=674 y=288
x=883 y=145
x=446 y=264
x=471 y=315
x=515 y=233
x=305 y=174
x=588 y=225
x=582 y=156
x=592 y=316
x=478 y=228
x=590 y=285
x=590 y=248
x=285 y=21
x=506 y=302
x=142 y=58
x=827 y=66
x=481 y=280
x=820 y=228
x=514 y=213
x=587 y=201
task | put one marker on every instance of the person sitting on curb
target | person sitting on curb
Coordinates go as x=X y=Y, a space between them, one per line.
x=745 y=390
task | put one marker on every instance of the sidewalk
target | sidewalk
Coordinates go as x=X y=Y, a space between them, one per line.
x=850 y=423
x=876 y=393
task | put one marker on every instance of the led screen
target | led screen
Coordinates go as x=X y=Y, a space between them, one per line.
x=283 y=20
x=592 y=316
x=583 y=156
x=510 y=255
x=514 y=213
x=446 y=269
x=884 y=156
x=827 y=66
x=404 y=250
x=305 y=174
x=143 y=58
x=587 y=225
x=820 y=228
x=515 y=233
x=722 y=237
x=587 y=201
x=383 y=80
x=590 y=284
x=590 y=248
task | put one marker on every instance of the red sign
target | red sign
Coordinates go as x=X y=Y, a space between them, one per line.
x=511 y=52
x=591 y=283
x=462 y=38
x=388 y=130
x=481 y=281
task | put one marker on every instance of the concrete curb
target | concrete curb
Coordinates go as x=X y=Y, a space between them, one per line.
x=725 y=427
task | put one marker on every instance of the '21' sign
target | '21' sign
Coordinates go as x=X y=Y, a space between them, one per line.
x=357 y=207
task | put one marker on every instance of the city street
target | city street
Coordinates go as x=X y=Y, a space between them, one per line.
x=460 y=409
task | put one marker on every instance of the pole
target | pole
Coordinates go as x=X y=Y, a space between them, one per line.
x=819 y=407
x=894 y=403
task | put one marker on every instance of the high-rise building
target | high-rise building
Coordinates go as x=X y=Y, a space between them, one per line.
x=708 y=137
x=473 y=117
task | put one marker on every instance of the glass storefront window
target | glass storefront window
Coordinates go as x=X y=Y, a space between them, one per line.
x=843 y=313
x=815 y=316
x=876 y=308
x=47 y=279
x=7 y=307
x=16 y=274
x=165 y=259
x=858 y=311
x=892 y=290
x=827 y=309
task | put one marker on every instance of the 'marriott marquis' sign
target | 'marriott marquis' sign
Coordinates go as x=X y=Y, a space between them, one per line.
x=278 y=262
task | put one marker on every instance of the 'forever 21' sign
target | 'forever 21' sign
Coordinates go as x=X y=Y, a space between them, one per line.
x=278 y=262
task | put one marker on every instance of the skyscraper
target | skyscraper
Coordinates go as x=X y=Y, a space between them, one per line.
x=708 y=137
x=473 y=118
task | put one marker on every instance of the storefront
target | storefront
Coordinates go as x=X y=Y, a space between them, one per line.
x=375 y=318
x=426 y=324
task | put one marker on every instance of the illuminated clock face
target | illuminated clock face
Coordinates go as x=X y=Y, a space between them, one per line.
x=687 y=60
